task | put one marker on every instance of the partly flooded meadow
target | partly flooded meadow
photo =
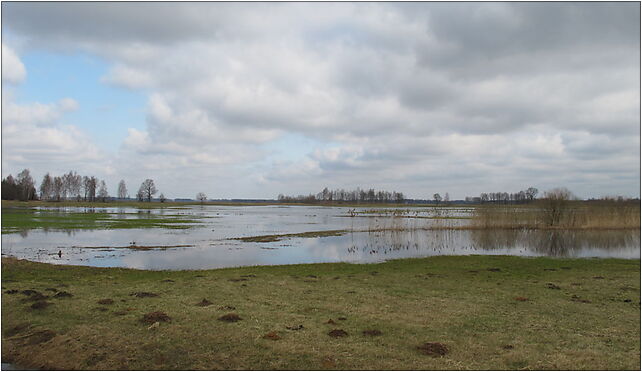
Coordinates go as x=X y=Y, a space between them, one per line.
x=216 y=236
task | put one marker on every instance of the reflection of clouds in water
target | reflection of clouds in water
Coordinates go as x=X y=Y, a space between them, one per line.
x=212 y=250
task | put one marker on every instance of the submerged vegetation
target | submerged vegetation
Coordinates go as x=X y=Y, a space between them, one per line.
x=470 y=312
x=23 y=219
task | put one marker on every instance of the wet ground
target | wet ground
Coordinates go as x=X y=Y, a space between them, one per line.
x=366 y=235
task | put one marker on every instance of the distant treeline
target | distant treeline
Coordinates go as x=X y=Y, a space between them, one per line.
x=523 y=196
x=340 y=195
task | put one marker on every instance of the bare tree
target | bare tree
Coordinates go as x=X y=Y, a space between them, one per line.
x=148 y=189
x=57 y=188
x=531 y=193
x=446 y=198
x=122 y=190
x=556 y=203
x=162 y=198
x=102 y=191
x=437 y=198
x=201 y=197
x=26 y=186
x=46 y=187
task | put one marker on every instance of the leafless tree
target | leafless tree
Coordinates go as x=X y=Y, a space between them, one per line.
x=148 y=189
x=122 y=190
x=57 y=188
x=26 y=186
x=46 y=187
x=437 y=198
x=162 y=198
x=556 y=205
x=102 y=191
x=201 y=197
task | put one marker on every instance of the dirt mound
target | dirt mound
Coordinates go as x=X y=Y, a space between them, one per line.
x=520 y=298
x=36 y=296
x=330 y=321
x=552 y=286
x=156 y=316
x=105 y=301
x=39 y=305
x=372 y=332
x=328 y=362
x=342 y=318
x=598 y=277
x=29 y=292
x=17 y=329
x=337 y=333
x=230 y=318
x=143 y=294
x=295 y=327
x=494 y=269
x=433 y=349
x=508 y=347
x=227 y=307
x=167 y=281
x=272 y=336
x=39 y=337
x=204 y=303
x=63 y=294
x=12 y=291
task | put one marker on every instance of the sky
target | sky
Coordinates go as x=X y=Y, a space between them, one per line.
x=250 y=100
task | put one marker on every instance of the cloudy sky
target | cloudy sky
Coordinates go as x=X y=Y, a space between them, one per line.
x=249 y=100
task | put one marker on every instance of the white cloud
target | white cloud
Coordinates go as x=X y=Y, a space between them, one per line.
x=13 y=71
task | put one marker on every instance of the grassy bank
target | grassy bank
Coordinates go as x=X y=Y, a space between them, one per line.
x=484 y=312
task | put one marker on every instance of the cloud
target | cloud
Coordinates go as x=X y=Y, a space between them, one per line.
x=412 y=95
x=13 y=71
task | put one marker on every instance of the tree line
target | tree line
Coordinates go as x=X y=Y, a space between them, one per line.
x=340 y=195
x=70 y=186
x=523 y=196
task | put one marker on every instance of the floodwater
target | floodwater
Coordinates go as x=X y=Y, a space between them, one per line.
x=373 y=236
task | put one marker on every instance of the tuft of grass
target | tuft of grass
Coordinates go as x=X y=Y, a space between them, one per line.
x=452 y=301
x=278 y=237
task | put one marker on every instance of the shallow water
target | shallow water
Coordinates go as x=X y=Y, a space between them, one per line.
x=210 y=243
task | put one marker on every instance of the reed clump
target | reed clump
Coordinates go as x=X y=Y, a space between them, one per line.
x=559 y=214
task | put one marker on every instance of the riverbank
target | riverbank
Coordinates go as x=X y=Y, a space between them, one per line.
x=480 y=312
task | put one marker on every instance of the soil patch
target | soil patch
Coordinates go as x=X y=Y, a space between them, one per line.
x=248 y=276
x=372 y=332
x=12 y=291
x=63 y=294
x=230 y=318
x=552 y=286
x=550 y=269
x=342 y=318
x=40 y=305
x=520 y=298
x=121 y=312
x=17 y=329
x=143 y=294
x=494 y=269
x=598 y=277
x=37 y=296
x=330 y=321
x=167 y=281
x=105 y=301
x=29 y=292
x=433 y=349
x=156 y=316
x=101 y=309
x=508 y=347
x=565 y=268
x=272 y=336
x=237 y=280
x=227 y=307
x=337 y=333
x=295 y=327
x=204 y=302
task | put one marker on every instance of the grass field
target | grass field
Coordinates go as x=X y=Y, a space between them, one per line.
x=481 y=312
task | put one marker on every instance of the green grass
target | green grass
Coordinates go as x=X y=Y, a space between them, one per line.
x=21 y=219
x=454 y=300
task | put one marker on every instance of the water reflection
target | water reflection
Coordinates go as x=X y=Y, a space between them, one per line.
x=404 y=235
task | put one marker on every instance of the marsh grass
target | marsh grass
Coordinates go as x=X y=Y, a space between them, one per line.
x=570 y=215
x=466 y=303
